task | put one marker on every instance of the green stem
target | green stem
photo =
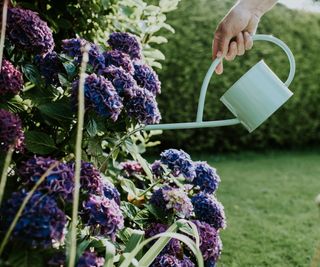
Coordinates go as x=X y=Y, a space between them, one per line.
x=3 y=29
x=4 y=174
x=148 y=189
x=78 y=151
x=23 y=205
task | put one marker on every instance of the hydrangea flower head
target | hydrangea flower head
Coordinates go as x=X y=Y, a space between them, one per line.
x=206 y=177
x=147 y=78
x=143 y=106
x=111 y=192
x=41 y=222
x=26 y=30
x=58 y=183
x=157 y=169
x=131 y=168
x=166 y=260
x=10 y=131
x=118 y=59
x=104 y=214
x=208 y=209
x=179 y=162
x=90 y=259
x=125 y=42
x=122 y=81
x=186 y=262
x=100 y=95
x=11 y=80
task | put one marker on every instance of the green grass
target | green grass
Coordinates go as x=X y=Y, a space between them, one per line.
x=270 y=208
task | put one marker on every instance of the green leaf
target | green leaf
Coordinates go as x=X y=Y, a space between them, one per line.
x=92 y=127
x=32 y=73
x=63 y=80
x=39 y=142
x=128 y=186
x=60 y=111
x=158 y=40
x=25 y=258
x=70 y=68
x=134 y=240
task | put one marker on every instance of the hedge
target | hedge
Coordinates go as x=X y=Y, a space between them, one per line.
x=188 y=56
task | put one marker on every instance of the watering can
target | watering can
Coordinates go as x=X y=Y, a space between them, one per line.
x=252 y=99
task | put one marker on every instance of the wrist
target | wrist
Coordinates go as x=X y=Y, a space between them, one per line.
x=257 y=7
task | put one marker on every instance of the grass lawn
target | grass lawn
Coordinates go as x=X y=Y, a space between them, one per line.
x=270 y=208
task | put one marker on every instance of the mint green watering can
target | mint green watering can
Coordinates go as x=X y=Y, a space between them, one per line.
x=252 y=99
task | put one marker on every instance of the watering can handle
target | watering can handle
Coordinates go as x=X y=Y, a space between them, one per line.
x=215 y=63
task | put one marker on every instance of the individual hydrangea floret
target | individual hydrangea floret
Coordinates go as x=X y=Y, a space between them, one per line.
x=72 y=48
x=147 y=78
x=101 y=96
x=50 y=66
x=122 y=81
x=131 y=168
x=157 y=169
x=111 y=192
x=11 y=80
x=173 y=247
x=26 y=30
x=11 y=133
x=186 y=262
x=41 y=222
x=179 y=162
x=208 y=209
x=206 y=177
x=58 y=183
x=103 y=214
x=118 y=59
x=90 y=259
x=143 y=106
x=210 y=242
x=125 y=42
x=166 y=260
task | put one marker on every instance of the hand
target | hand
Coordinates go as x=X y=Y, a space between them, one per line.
x=234 y=33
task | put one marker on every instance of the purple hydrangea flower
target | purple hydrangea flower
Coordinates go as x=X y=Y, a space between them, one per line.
x=179 y=162
x=103 y=214
x=11 y=80
x=173 y=247
x=10 y=131
x=90 y=259
x=59 y=182
x=122 y=81
x=206 y=177
x=118 y=59
x=210 y=242
x=50 y=65
x=166 y=260
x=157 y=169
x=41 y=222
x=143 y=106
x=131 y=167
x=147 y=78
x=208 y=209
x=111 y=192
x=186 y=262
x=57 y=260
x=172 y=199
x=101 y=96
x=125 y=42
x=72 y=47
x=26 y=30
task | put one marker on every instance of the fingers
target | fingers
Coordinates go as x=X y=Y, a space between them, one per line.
x=248 y=42
x=233 y=51
x=241 y=44
x=238 y=47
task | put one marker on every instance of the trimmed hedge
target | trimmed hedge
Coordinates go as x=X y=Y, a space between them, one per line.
x=188 y=56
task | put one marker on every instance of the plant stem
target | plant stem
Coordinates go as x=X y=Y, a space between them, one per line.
x=4 y=174
x=78 y=151
x=3 y=29
x=23 y=205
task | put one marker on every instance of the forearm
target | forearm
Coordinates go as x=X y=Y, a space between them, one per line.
x=259 y=7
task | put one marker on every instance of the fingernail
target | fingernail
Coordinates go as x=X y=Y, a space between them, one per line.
x=219 y=54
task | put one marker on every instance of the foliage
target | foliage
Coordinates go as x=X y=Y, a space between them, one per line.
x=189 y=56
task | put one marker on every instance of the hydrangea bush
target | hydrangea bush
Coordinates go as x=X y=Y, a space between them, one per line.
x=130 y=211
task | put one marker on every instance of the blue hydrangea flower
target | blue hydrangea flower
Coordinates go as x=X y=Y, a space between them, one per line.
x=143 y=106
x=157 y=199
x=101 y=96
x=59 y=182
x=173 y=247
x=90 y=259
x=26 y=30
x=179 y=162
x=11 y=80
x=111 y=192
x=103 y=214
x=210 y=242
x=41 y=222
x=166 y=260
x=50 y=66
x=72 y=48
x=147 y=78
x=126 y=43
x=208 y=209
x=186 y=262
x=206 y=177
x=122 y=81
x=157 y=169
x=10 y=131
x=118 y=59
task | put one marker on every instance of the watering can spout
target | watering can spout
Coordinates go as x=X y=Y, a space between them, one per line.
x=252 y=99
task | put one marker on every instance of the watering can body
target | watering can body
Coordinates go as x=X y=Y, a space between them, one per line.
x=252 y=99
